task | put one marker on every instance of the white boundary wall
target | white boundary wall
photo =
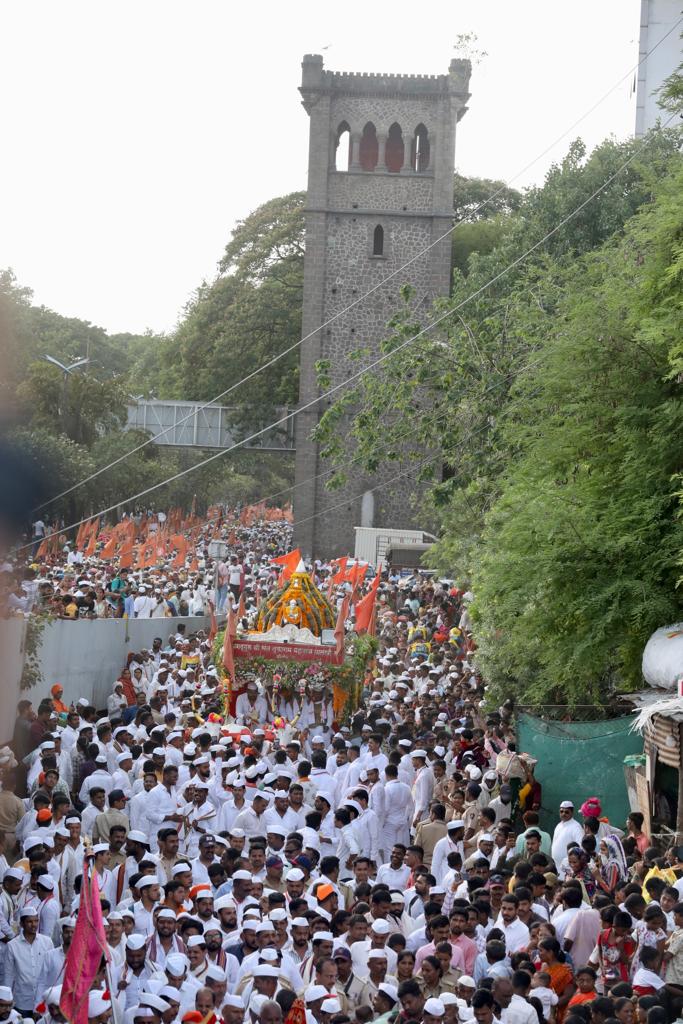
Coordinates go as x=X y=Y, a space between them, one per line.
x=85 y=656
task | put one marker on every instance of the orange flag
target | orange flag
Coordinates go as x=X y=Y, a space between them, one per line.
x=109 y=549
x=289 y=563
x=179 y=560
x=82 y=535
x=126 y=555
x=92 y=540
x=149 y=556
x=340 y=575
x=356 y=575
x=42 y=550
x=365 y=610
x=230 y=633
x=214 y=625
x=341 y=619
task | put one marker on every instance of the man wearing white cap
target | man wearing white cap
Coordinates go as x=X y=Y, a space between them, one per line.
x=178 y=976
x=25 y=955
x=164 y=802
x=148 y=887
x=53 y=964
x=7 y=1011
x=385 y=1002
x=48 y=907
x=129 y=977
x=9 y=890
x=164 y=940
x=568 y=830
x=200 y=819
x=376 y=971
x=422 y=786
x=452 y=842
x=233 y=1009
x=433 y=1012
x=399 y=809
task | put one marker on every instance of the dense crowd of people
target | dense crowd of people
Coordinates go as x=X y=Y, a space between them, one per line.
x=391 y=864
x=70 y=581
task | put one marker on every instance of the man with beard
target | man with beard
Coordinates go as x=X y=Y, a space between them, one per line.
x=164 y=941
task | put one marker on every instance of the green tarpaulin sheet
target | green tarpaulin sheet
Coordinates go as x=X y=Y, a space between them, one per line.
x=580 y=759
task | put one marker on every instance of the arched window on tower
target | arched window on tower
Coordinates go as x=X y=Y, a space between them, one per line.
x=342 y=148
x=419 y=152
x=378 y=241
x=395 y=150
x=369 y=148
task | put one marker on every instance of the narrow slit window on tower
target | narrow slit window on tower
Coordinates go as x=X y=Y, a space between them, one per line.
x=342 y=149
x=395 y=150
x=419 y=155
x=369 y=148
x=378 y=241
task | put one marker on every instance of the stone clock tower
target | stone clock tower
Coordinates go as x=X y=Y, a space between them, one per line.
x=380 y=190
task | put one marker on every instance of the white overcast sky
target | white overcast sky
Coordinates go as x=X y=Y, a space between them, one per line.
x=137 y=132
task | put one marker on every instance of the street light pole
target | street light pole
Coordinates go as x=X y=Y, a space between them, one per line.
x=67 y=371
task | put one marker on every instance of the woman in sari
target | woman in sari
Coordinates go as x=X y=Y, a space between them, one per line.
x=128 y=688
x=578 y=868
x=612 y=868
x=561 y=976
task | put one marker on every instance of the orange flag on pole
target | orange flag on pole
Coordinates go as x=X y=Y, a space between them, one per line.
x=230 y=633
x=356 y=575
x=365 y=610
x=341 y=619
x=92 y=541
x=214 y=625
x=126 y=555
x=109 y=549
x=340 y=575
x=82 y=535
x=87 y=950
x=289 y=563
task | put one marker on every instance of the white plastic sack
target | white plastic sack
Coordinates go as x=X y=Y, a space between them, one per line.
x=663 y=657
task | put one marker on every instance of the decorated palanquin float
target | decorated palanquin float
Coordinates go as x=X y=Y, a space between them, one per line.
x=309 y=672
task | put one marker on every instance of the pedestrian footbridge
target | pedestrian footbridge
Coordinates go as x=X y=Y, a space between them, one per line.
x=196 y=425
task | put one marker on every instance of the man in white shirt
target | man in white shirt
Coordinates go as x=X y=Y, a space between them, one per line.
x=513 y=1008
x=395 y=874
x=568 y=830
x=423 y=786
x=252 y=818
x=164 y=802
x=235 y=573
x=144 y=604
x=250 y=708
x=452 y=842
x=572 y=899
x=24 y=963
x=515 y=931
x=399 y=809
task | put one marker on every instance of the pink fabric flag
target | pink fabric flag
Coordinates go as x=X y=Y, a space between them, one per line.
x=85 y=953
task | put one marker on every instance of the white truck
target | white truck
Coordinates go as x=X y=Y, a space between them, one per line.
x=372 y=543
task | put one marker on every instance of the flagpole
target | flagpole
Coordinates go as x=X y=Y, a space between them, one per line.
x=116 y=1012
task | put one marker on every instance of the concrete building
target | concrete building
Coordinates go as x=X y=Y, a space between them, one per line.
x=661 y=49
x=370 y=208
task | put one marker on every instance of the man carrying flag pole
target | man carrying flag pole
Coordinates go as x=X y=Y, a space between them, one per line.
x=88 y=947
